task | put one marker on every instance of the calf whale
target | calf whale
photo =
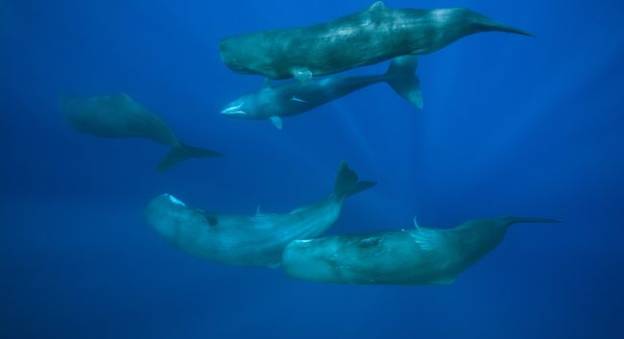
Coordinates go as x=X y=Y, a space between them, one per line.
x=416 y=256
x=364 y=38
x=275 y=102
x=256 y=240
x=119 y=116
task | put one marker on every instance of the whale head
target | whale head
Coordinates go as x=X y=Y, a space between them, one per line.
x=254 y=106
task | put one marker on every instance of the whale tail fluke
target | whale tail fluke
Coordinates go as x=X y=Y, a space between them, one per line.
x=181 y=152
x=348 y=183
x=401 y=76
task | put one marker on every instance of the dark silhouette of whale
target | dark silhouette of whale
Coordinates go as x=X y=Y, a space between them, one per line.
x=119 y=116
x=256 y=240
x=295 y=97
x=416 y=256
x=364 y=38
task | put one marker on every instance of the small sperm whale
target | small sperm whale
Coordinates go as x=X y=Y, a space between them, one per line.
x=256 y=240
x=416 y=256
x=119 y=116
x=364 y=38
x=275 y=102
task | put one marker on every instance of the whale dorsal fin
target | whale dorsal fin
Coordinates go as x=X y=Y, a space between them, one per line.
x=376 y=6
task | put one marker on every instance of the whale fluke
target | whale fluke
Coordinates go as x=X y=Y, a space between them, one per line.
x=401 y=76
x=348 y=184
x=182 y=152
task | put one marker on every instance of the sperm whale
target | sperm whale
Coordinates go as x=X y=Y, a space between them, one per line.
x=368 y=37
x=417 y=256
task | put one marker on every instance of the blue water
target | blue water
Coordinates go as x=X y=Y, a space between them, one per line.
x=511 y=125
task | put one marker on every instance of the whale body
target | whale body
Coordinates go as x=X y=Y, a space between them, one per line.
x=275 y=102
x=416 y=256
x=119 y=116
x=256 y=240
x=368 y=37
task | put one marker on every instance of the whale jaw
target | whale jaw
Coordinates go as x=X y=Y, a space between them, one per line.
x=234 y=109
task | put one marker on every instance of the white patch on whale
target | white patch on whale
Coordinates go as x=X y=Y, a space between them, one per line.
x=175 y=200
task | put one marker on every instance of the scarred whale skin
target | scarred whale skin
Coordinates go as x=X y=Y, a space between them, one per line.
x=256 y=240
x=407 y=257
x=364 y=38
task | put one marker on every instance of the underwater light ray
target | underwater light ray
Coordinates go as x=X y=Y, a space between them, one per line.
x=570 y=76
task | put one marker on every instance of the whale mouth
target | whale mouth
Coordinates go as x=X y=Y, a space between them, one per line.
x=234 y=110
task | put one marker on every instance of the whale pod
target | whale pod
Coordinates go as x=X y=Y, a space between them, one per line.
x=416 y=256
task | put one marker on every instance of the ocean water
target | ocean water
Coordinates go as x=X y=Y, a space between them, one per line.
x=511 y=126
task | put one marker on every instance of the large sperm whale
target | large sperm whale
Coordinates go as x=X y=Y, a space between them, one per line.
x=119 y=116
x=296 y=97
x=256 y=240
x=364 y=38
x=416 y=256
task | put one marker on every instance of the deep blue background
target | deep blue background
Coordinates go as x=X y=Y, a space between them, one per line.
x=511 y=125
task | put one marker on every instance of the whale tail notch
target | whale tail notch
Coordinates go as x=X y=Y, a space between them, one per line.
x=348 y=182
x=401 y=76
x=181 y=152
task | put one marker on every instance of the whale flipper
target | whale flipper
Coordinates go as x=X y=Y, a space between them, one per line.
x=181 y=152
x=401 y=76
x=277 y=122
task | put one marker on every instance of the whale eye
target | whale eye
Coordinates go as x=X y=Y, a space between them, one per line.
x=211 y=219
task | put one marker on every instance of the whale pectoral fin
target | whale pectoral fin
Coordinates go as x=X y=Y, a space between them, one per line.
x=277 y=122
x=302 y=74
x=377 y=5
